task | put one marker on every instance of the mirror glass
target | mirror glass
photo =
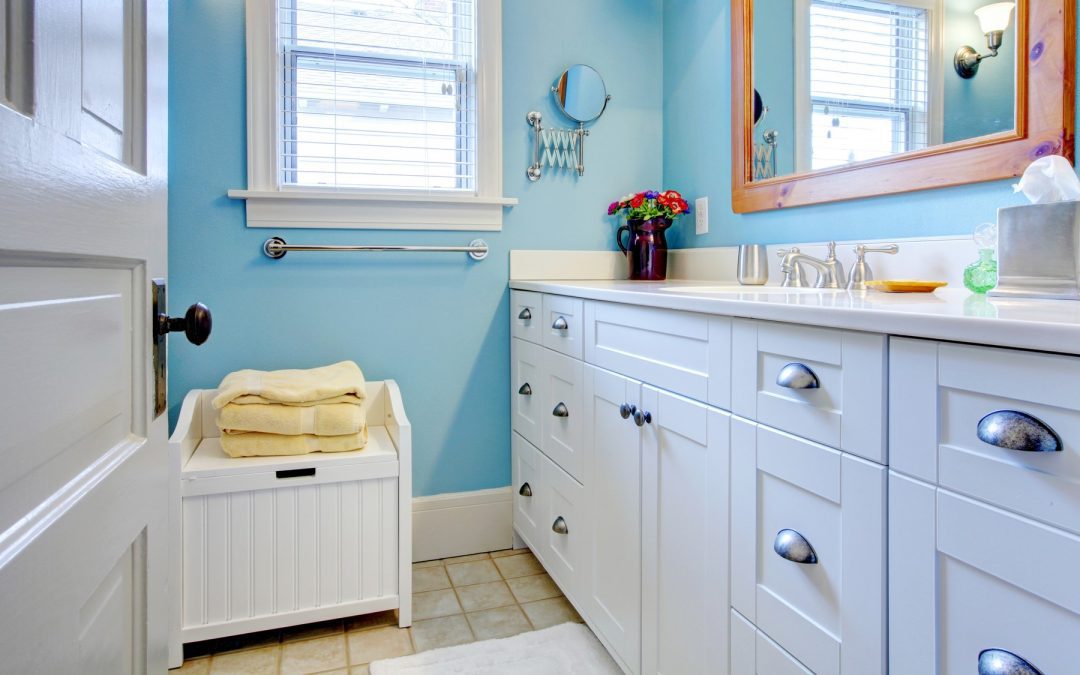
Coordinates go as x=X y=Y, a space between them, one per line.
x=580 y=93
x=843 y=81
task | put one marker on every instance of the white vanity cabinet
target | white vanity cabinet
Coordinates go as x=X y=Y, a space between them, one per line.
x=808 y=548
x=612 y=594
x=684 y=549
x=984 y=510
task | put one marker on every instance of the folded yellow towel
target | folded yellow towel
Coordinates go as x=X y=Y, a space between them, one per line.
x=334 y=419
x=254 y=444
x=338 y=383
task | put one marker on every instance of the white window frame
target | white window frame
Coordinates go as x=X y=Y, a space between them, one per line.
x=804 y=106
x=270 y=204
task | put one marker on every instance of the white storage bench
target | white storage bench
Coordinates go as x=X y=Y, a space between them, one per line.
x=266 y=542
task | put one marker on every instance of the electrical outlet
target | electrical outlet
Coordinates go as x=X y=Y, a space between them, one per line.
x=701 y=209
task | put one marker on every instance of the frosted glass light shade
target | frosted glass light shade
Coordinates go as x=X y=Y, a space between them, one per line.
x=995 y=17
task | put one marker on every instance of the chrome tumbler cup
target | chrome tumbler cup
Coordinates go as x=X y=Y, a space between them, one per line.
x=753 y=265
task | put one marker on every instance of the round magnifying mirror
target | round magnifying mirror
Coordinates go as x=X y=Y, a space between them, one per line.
x=580 y=93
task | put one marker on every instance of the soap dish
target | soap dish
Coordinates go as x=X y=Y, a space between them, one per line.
x=905 y=285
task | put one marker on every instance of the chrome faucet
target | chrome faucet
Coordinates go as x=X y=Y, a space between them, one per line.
x=830 y=271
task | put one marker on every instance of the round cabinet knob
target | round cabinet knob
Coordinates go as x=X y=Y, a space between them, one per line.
x=560 y=323
x=526 y=490
x=560 y=410
x=626 y=410
x=196 y=324
x=641 y=418
x=525 y=314
x=559 y=526
x=525 y=390
x=1003 y=662
x=792 y=546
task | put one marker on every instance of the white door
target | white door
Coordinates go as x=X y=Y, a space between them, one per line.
x=83 y=544
x=684 y=536
x=613 y=485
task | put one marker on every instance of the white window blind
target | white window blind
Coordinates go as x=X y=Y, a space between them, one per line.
x=869 y=80
x=379 y=94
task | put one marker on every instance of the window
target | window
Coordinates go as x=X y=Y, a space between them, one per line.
x=868 y=82
x=392 y=105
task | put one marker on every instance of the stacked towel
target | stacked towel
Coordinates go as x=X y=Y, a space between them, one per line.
x=292 y=412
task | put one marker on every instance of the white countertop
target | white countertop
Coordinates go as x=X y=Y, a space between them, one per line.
x=947 y=314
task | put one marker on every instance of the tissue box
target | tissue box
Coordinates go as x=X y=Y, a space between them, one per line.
x=1039 y=251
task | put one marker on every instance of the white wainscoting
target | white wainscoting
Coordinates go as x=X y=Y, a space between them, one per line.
x=462 y=523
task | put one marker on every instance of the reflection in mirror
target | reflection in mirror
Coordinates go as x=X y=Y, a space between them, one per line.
x=845 y=81
x=580 y=93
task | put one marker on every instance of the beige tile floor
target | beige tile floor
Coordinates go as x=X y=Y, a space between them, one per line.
x=455 y=601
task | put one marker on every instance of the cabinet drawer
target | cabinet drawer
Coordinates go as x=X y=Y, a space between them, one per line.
x=526 y=314
x=682 y=352
x=950 y=389
x=526 y=389
x=823 y=384
x=528 y=491
x=561 y=324
x=757 y=654
x=825 y=603
x=562 y=411
x=564 y=532
x=968 y=577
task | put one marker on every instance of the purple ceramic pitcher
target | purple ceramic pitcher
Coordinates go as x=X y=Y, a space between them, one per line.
x=646 y=248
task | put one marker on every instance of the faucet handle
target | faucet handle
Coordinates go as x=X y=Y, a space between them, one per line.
x=782 y=252
x=860 y=271
x=863 y=249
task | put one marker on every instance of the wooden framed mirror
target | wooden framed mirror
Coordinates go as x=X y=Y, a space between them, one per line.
x=859 y=98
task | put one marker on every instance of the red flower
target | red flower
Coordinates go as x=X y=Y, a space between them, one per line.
x=662 y=200
x=677 y=208
x=637 y=200
x=672 y=194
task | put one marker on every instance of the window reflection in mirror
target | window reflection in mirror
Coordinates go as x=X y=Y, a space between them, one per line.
x=844 y=81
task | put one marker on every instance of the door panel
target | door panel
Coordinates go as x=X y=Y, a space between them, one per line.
x=527 y=381
x=83 y=474
x=613 y=486
x=685 y=536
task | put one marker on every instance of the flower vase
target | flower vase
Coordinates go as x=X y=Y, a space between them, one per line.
x=645 y=248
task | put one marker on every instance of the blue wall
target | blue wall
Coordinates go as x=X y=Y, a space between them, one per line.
x=774 y=75
x=437 y=324
x=984 y=104
x=697 y=158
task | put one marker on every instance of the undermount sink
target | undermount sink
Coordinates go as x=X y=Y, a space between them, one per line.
x=717 y=290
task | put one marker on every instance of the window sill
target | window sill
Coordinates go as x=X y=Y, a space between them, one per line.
x=308 y=209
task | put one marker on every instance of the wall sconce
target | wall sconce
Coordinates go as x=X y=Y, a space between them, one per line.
x=993 y=19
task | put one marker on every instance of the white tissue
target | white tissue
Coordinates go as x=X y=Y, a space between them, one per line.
x=1049 y=179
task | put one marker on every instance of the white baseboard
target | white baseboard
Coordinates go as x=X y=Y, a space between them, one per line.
x=462 y=523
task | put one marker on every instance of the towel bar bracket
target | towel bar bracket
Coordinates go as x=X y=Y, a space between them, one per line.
x=276 y=248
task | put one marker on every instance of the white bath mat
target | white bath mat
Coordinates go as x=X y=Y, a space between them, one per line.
x=568 y=649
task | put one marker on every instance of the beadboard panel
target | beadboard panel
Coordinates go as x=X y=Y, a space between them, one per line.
x=291 y=549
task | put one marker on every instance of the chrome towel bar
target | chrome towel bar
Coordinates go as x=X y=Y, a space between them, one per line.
x=275 y=247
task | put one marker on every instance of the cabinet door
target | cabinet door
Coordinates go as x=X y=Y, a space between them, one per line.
x=808 y=548
x=527 y=386
x=562 y=412
x=966 y=577
x=612 y=594
x=684 y=536
x=529 y=492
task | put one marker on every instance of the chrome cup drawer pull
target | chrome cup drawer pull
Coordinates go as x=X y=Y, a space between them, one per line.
x=526 y=490
x=525 y=390
x=797 y=376
x=626 y=410
x=559 y=526
x=1002 y=662
x=641 y=418
x=792 y=546
x=560 y=410
x=525 y=314
x=1014 y=430
x=560 y=324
